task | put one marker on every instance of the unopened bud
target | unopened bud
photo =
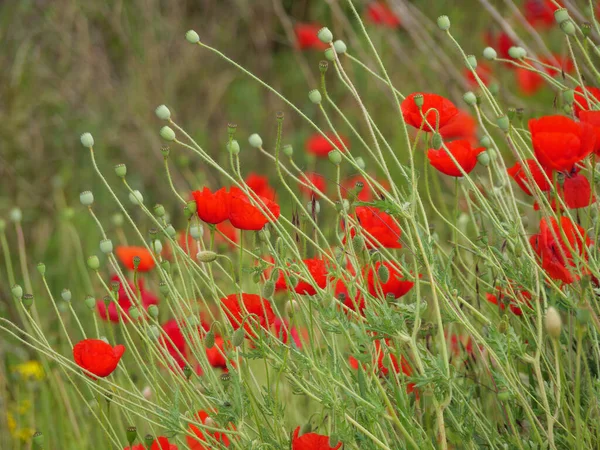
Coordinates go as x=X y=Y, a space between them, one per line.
x=291 y=308
x=503 y=123
x=553 y=322
x=153 y=311
x=90 y=302
x=383 y=273
x=238 y=337
x=206 y=256
x=470 y=98
x=568 y=27
x=17 y=291
x=471 y=62
x=288 y=150
x=159 y=210
x=209 y=339
x=268 y=289
x=192 y=37
x=484 y=159
x=436 y=140
x=87 y=140
x=136 y=197
x=134 y=312
x=66 y=295
x=233 y=147
x=41 y=267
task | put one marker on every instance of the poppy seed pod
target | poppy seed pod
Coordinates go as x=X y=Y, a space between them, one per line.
x=86 y=198
x=325 y=35
x=41 y=267
x=157 y=246
x=170 y=230
x=38 y=440
x=121 y=170
x=192 y=37
x=471 y=62
x=517 y=52
x=66 y=295
x=149 y=439
x=568 y=27
x=503 y=122
x=166 y=151
x=443 y=22
x=586 y=29
x=288 y=150
x=485 y=141
x=233 y=147
x=16 y=215
x=17 y=291
x=330 y=54
x=90 y=302
x=131 y=435
x=163 y=288
x=340 y=47
x=324 y=65
x=87 y=140
x=291 y=308
x=153 y=332
x=255 y=140
x=162 y=112
x=360 y=162
x=561 y=15
x=313 y=207
x=335 y=157
x=167 y=133
x=484 y=159
x=206 y=256
x=196 y=231
x=153 y=311
x=106 y=246
x=93 y=262
x=27 y=301
x=470 y=98
x=159 y=210
x=315 y=96
x=117 y=219
x=489 y=53
x=553 y=322
x=134 y=313
x=136 y=197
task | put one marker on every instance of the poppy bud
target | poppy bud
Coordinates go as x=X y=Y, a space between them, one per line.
x=553 y=322
x=505 y=395
x=340 y=47
x=330 y=54
x=471 y=62
x=27 y=301
x=268 y=289
x=17 y=291
x=494 y=88
x=131 y=435
x=484 y=159
x=66 y=295
x=196 y=231
x=170 y=230
x=569 y=96
x=117 y=219
x=238 y=337
x=264 y=235
x=443 y=23
x=324 y=65
x=255 y=140
x=503 y=326
x=436 y=140
x=325 y=35
x=383 y=273
x=209 y=339
x=206 y=256
x=93 y=262
x=41 y=267
x=288 y=150
x=280 y=248
x=153 y=311
x=167 y=133
x=291 y=308
x=315 y=96
x=187 y=372
x=568 y=28
x=470 y=98
x=503 y=123
x=38 y=440
x=583 y=316
x=86 y=198
x=306 y=428
x=121 y=170
x=335 y=157
x=136 y=197
x=106 y=246
x=233 y=147
x=489 y=53
x=333 y=440
x=192 y=37
x=162 y=112
x=560 y=15
x=358 y=244
x=134 y=312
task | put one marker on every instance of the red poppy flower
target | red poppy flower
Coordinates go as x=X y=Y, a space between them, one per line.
x=483 y=71
x=583 y=100
x=243 y=215
x=463 y=152
x=260 y=185
x=576 y=191
x=592 y=118
x=229 y=231
x=251 y=304
x=381 y=14
x=113 y=313
x=559 y=142
x=283 y=331
x=431 y=103
x=526 y=182
x=215 y=354
x=306 y=36
x=555 y=254
x=317 y=269
x=315 y=180
x=395 y=285
x=379 y=228
x=320 y=146
x=311 y=441
x=212 y=207
x=461 y=126
x=342 y=294
x=97 y=357
x=540 y=13
x=502 y=297
x=368 y=191
x=126 y=255
x=458 y=343
x=160 y=443
x=196 y=443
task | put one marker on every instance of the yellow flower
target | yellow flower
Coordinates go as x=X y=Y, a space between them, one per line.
x=30 y=370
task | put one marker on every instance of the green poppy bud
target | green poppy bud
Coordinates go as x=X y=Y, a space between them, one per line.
x=93 y=262
x=233 y=147
x=325 y=35
x=291 y=308
x=134 y=313
x=153 y=311
x=167 y=133
x=86 y=198
x=360 y=162
x=121 y=170
x=569 y=96
x=436 y=140
x=162 y=112
x=313 y=207
x=196 y=231
x=340 y=47
x=209 y=339
x=255 y=140
x=192 y=37
x=153 y=332
x=553 y=322
x=358 y=244
x=315 y=96
x=238 y=337
x=485 y=141
x=17 y=291
x=335 y=157
x=87 y=140
x=383 y=273
x=268 y=289
x=443 y=23
x=489 y=53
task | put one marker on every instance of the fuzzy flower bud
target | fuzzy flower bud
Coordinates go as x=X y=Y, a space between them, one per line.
x=209 y=339
x=162 y=112
x=436 y=140
x=206 y=256
x=192 y=37
x=325 y=35
x=238 y=337
x=291 y=308
x=86 y=198
x=553 y=322
x=383 y=273
x=87 y=140
x=167 y=133
x=268 y=289
x=255 y=140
